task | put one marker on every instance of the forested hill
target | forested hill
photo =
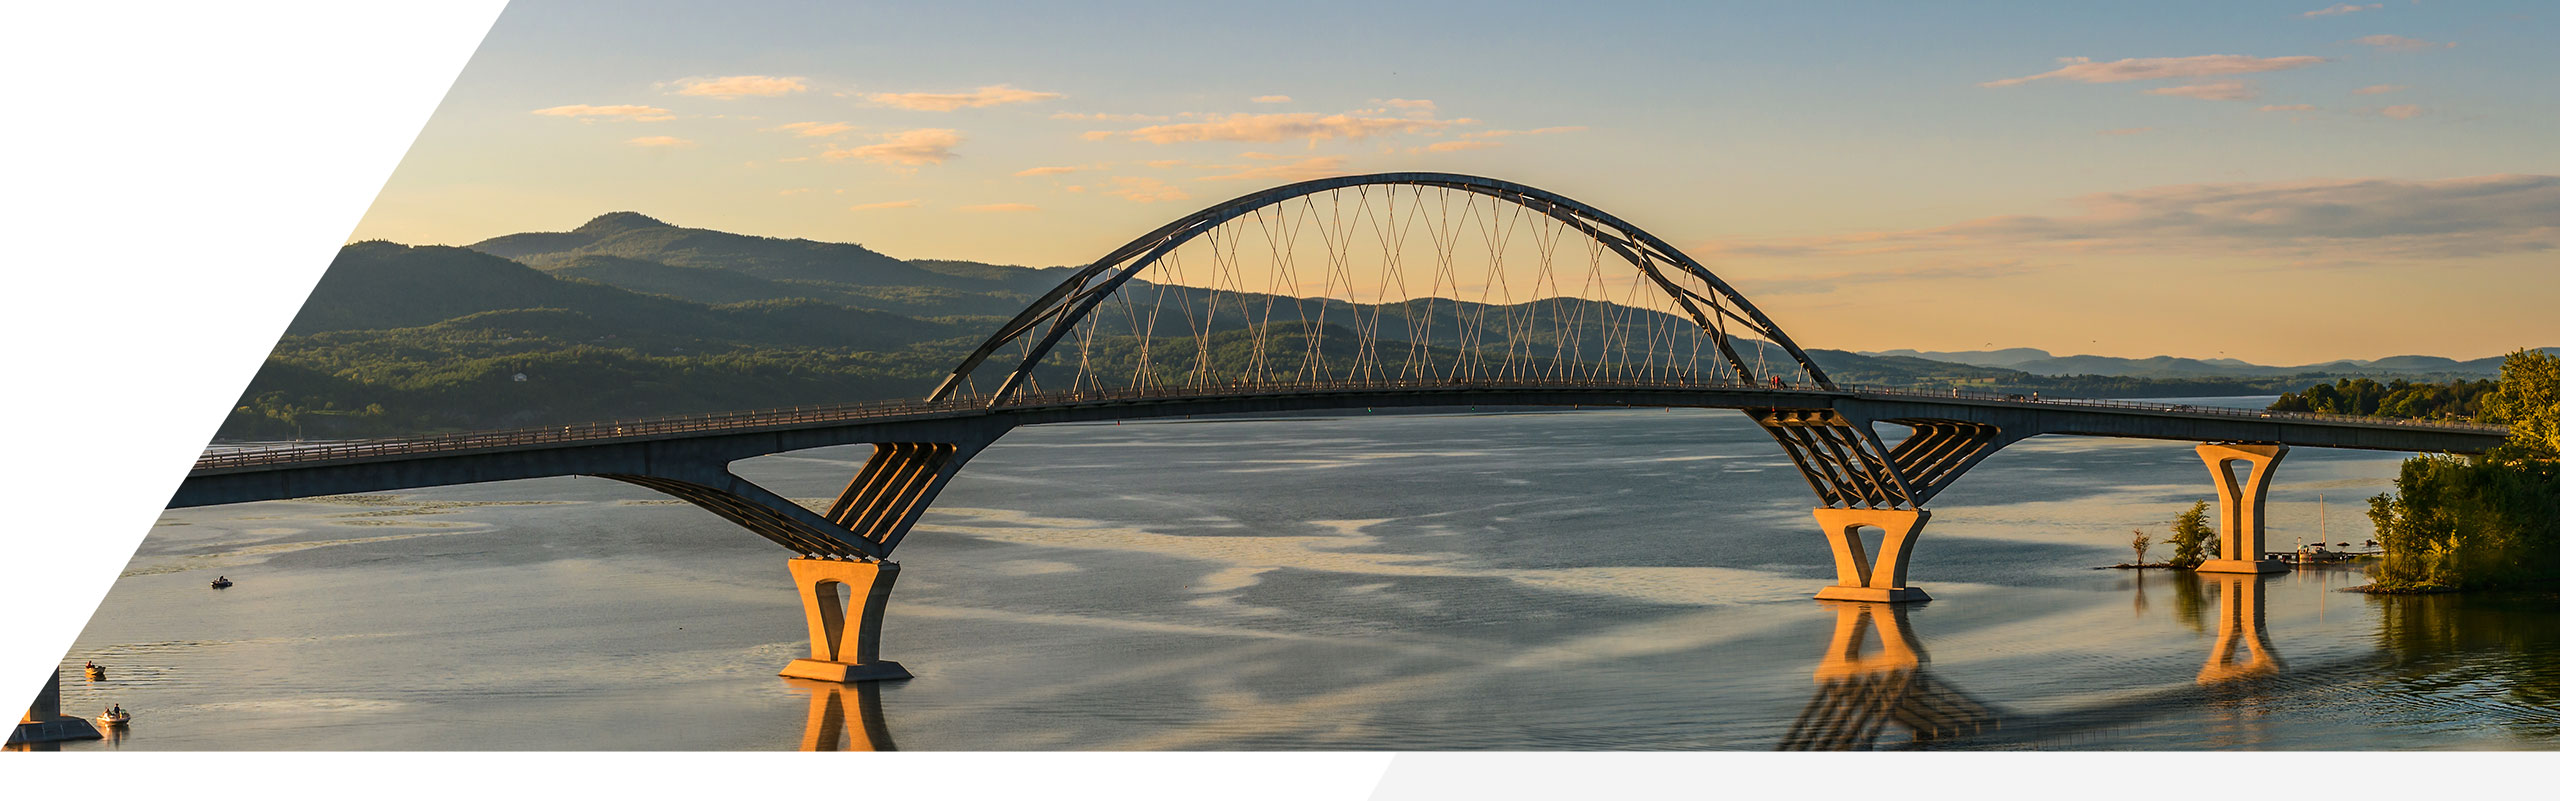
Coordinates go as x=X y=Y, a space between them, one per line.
x=628 y=316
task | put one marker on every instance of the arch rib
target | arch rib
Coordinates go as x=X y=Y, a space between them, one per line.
x=1082 y=292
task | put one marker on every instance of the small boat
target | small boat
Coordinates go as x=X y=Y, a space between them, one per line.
x=115 y=719
x=96 y=673
x=220 y=583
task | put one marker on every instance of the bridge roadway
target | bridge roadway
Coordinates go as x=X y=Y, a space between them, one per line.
x=1831 y=434
x=640 y=447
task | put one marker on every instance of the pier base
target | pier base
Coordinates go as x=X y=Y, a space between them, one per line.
x=844 y=644
x=44 y=722
x=1877 y=580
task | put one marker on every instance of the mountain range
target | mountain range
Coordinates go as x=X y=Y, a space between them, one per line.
x=2036 y=361
x=628 y=316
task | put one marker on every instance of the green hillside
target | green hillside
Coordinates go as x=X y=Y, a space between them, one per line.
x=628 y=316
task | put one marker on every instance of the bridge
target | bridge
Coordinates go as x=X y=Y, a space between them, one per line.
x=1396 y=290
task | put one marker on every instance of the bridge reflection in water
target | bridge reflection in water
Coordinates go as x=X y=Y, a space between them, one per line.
x=1876 y=677
x=1866 y=686
x=843 y=716
x=2242 y=623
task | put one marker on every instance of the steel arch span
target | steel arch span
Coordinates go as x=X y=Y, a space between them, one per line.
x=1687 y=289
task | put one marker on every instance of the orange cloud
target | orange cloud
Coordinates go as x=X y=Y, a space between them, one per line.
x=1458 y=145
x=2340 y=8
x=2402 y=112
x=1146 y=190
x=661 y=141
x=1272 y=99
x=904 y=148
x=2290 y=107
x=2222 y=90
x=890 y=204
x=1001 y=207
x=981 y=97
x=816 y=128
x=2399 y=44
x=1040 y=171
x=2083 y=70
x=587 y=113
x=1278 y=128
x=737 y=86
x=1298 y=170
x=2379 y=88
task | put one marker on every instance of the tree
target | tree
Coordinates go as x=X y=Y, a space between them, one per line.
x=2141 y=545
x=2482 y=521
x=2528 y=401
x=2194 y=540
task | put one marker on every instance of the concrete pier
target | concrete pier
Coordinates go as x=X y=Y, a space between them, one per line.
x=1883 y=578
x=844 y=644
x=2244 y=507
x=44 y=722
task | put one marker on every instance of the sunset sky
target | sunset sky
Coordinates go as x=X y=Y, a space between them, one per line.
x=2277 y=182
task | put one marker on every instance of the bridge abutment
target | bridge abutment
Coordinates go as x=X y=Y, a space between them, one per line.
x=844 y=638
x=2244 y=506
x=1885 y=576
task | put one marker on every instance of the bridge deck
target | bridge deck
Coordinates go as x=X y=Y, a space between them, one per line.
x=2063 y=415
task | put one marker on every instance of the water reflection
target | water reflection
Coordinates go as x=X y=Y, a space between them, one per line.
x=1863 y=688
x=831 y=729
x=2243 y=622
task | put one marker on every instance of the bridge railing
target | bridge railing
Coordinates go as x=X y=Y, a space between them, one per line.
x=2176 y=408
x=219 y=458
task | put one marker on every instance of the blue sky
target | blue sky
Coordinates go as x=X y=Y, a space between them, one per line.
x=2226 y=178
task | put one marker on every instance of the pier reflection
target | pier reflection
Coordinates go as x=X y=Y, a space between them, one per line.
x=1869 y=682
x=843 y=717
x=2242 y=622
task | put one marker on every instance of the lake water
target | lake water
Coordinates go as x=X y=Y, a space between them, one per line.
x=1573 y=580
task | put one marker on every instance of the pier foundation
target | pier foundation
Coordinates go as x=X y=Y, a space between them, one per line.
x=44 y=723
x=2244 y=507
x=844 y=643
x=1882 y=578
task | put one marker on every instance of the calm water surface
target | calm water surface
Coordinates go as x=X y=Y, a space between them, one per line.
x=1584 y=580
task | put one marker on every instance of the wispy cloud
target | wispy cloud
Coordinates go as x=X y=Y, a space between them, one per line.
x=2083 y=70
x=1092 y=117
x=1141 y=189
x=660 y=141
x=2379 y=88
x=1456 y=145
x=886 y=204
x=816 y=129
x=2402 y=112
x=2340 y=8
x=1293 y=170
x=1000 y=208
x=2125 y=131
x=2290 y=107
x=1498 y=134
x=981 y=97
x=1272 y=99
x=586 y=113
x=1826 y=282
x=904 y=148
x=2297 y=220
x=2219 y=90
x=1278 y=128
x=737 y=86
x=1040 y=171
x=2399 y=44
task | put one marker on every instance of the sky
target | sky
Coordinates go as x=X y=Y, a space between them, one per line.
x=2285 y=182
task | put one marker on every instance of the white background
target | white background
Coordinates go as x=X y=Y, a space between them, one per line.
x=177 y=175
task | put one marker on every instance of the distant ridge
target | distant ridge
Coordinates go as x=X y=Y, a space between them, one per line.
x=2039 y=362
